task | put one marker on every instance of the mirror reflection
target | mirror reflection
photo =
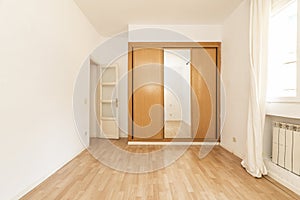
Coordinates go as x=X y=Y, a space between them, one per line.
x=177 y=93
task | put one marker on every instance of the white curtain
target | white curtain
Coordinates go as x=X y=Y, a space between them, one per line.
x=259 y=22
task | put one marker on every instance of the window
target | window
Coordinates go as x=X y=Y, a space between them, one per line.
x=284 y=75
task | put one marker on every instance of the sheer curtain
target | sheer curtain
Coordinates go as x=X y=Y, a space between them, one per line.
x=259 y=22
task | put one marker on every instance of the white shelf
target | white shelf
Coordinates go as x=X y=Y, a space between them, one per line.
x=109 y=84
x=108 y=118
x=109 y=66
x=106 y=101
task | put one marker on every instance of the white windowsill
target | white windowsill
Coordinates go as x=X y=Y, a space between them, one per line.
x=286 y=109
x=284 y=100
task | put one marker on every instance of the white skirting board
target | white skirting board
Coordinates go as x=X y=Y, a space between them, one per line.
x=172 y=143
x=283 y=176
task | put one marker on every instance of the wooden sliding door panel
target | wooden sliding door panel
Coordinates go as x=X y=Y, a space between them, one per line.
x=204 y=82
x=148 y=93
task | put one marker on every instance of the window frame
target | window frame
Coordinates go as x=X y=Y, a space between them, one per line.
x=295 y=99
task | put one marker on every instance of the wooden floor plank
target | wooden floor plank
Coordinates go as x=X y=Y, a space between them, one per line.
x=217 y=176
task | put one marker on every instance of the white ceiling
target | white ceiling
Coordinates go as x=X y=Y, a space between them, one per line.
x=112 y=16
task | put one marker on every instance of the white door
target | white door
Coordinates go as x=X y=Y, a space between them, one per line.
x=109 y=102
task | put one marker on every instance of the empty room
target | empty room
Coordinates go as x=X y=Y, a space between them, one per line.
x=149 y=99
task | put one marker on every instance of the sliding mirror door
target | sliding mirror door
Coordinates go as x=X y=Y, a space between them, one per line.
x=177 y=93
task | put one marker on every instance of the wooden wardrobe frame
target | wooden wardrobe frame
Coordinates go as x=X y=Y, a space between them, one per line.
x=132 y=45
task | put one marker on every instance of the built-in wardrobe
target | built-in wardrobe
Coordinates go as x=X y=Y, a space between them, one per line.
x=174 y=91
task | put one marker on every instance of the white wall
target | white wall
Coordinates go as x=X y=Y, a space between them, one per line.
x=43 y=44
x=93 y=121
x=123 y=93
x=81 y=104
x=235 y=70
x=182 y=33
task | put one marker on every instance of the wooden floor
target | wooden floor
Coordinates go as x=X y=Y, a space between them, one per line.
x=217 y=176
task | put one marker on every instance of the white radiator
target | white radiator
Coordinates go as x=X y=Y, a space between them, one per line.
x=286 y=146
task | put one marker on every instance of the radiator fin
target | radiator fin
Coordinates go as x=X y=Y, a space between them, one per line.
x=286 y=146
x=296 y=153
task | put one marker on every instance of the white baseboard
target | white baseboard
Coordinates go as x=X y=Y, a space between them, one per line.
x=42 y=179
x=283 y=176
x=171 y=143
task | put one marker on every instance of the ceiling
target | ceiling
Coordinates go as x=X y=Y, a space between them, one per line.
x=112 y=16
